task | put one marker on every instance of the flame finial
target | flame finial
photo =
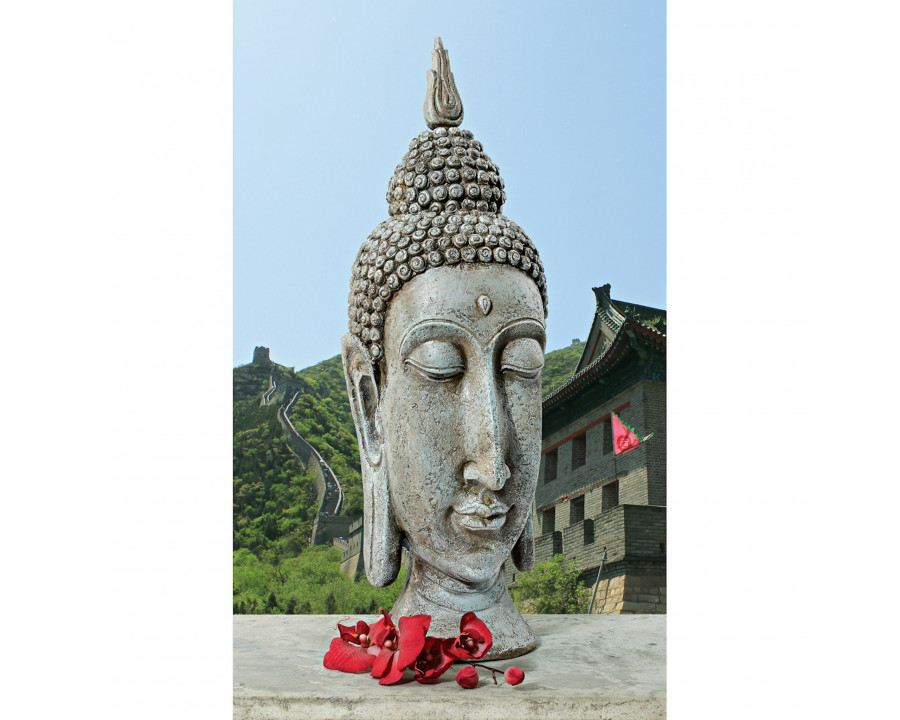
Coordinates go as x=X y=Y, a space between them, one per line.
x=443 y=106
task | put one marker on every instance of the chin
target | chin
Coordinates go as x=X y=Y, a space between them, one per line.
x=479 y=568
x=472 y=575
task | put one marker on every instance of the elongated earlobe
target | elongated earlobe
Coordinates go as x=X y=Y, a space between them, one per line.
x=523 y=550
x=359 y=374
x=381 y=536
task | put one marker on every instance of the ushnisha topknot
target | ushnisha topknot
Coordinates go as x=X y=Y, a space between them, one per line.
x=445 y=200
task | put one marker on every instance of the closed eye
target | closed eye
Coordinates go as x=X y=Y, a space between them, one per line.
x=437 y=360
x=437 y=374
x=523 y=357
x=522 y=372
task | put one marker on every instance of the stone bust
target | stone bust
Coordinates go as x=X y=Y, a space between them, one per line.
x=443 y=367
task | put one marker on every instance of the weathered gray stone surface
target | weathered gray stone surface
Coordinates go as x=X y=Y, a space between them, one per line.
x=599 y=666
x=443 y=366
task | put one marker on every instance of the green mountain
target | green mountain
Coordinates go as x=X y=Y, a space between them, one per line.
x=559 y=365
x=275 y=570
x=321 y=414
x=274 y=497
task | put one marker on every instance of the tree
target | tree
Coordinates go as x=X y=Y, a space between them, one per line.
x=552 y=587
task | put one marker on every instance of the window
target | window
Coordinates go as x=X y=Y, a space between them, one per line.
x=588 y=532
x=550 y=462
x=576 y=512
x=579 y=450
x=548 y=521
x=610 y=497
x=607 y=437
x=557 y=543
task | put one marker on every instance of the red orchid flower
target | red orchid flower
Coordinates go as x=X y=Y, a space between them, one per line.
x=356 y=651
x=377 y=628
x=396 y=648
x=432 y=661
x=346 y=657
x=473 y=641
x=361 y=635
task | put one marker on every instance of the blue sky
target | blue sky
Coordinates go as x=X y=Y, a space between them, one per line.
x=568 y=99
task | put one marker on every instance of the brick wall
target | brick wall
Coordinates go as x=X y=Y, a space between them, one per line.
x=645 y=531
x=543 y=548
x=597 y=465
x=608 y=532
x=354 y=539
x=641 y=472
x=600 y=466
x=616 y=503
x=627 y=592
x=635 y=531
x=654 y=401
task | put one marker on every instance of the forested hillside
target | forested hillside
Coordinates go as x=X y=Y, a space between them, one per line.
x=559 y=366
x=322 y=416
x=249 y=382
x=274 y=497
x=275 y=570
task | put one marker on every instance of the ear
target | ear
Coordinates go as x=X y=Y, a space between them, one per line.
x=360 y=376
x=381 y=536
x=523 y=550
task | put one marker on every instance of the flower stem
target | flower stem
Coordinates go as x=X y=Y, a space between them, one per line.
x=487 y=667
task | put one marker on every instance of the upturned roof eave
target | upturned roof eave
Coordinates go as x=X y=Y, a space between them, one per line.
x=606 y=362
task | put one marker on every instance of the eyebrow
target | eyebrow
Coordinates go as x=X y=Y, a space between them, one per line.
x=538 y=330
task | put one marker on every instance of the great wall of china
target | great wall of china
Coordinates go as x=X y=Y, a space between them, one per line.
x=329 y=522
x=329 y=526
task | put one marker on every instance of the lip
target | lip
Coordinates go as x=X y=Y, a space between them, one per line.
x=478 y=522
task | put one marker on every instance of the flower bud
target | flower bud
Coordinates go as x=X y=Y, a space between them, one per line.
x=514 y=675
x=467 y=678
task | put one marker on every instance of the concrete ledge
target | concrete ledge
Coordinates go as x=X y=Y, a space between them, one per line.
x=586 y=666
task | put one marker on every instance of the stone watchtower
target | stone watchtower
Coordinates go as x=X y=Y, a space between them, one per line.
x=601 y=510
x=261 y=356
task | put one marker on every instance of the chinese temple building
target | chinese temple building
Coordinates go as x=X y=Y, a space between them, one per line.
x=608 y=511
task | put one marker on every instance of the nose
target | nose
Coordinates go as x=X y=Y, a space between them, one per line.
x=492 y=480
x=485 y=432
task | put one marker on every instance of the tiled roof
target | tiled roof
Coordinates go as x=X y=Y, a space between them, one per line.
x=610 y=359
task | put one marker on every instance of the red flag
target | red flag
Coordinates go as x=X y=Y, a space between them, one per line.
x=624 y=438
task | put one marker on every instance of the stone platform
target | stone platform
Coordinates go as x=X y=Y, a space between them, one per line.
x=586 y=666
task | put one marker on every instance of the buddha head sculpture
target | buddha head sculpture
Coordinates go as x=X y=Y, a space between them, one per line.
x=443 y=367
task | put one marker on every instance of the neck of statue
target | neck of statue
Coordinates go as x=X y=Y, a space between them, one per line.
x=429 y=591
x=437 y=588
